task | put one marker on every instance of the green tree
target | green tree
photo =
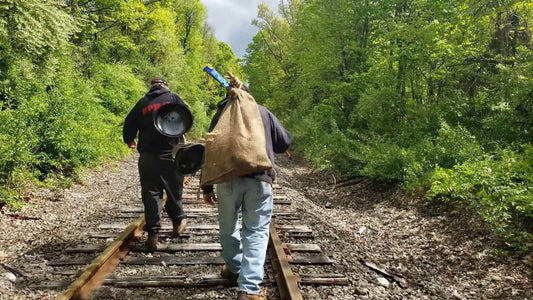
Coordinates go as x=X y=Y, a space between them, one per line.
x=395 y=90
x=71 y=70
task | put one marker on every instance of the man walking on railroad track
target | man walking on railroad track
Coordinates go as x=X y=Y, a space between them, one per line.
x=156 y=173
x=244 y=255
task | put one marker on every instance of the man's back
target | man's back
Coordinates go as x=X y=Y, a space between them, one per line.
x=141 y=118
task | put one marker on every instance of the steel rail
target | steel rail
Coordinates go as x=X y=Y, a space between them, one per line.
x=103 y=265
x=106 y=263
x=286 y=280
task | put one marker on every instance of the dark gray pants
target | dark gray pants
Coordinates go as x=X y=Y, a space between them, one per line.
x=157 y=175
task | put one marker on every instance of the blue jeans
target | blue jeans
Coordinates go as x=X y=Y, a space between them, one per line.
x=245 y=255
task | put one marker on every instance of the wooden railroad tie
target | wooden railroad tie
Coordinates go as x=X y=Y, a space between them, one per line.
x=204 y=280
x=282 y=255
x=175 y=247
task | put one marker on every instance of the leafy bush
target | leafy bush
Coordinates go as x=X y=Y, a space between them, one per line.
x=452 y=146
x=201 y=120
x=385 y=161
x=317 y=136
x=10 y=198
x=348 y=157
x=499 y=188
x=52 y=130
x=117 y=87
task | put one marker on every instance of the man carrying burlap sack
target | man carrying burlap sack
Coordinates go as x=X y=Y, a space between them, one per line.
x=240 y=159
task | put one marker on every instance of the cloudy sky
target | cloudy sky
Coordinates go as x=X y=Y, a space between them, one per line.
x=232 y=21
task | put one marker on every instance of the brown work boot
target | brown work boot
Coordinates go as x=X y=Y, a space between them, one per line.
x=179 y=228
x=246 y=296
x=227 y=274
x=151 y=242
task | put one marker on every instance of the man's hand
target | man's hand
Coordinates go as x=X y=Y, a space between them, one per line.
x=235 y=82
x=210 y=198
x=132 y=145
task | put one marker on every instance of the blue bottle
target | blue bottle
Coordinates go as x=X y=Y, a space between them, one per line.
x=217 y=76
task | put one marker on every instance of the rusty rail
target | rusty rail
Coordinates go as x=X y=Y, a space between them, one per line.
x=285 y=278
x=287 y=282
x=103 y=265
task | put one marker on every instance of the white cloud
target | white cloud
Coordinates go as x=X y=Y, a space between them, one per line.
x=231 y=21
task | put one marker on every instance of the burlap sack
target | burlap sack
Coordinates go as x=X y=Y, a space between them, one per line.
x=236 y=146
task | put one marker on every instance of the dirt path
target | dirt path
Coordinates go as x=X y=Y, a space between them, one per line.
x=441 y=256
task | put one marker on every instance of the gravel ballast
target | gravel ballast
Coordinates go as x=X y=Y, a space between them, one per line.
x=441 y=256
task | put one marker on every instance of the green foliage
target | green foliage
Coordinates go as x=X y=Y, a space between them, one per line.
x=34 y=27
x=11 y=199
x=116 y=85
x=78 y=131
x=321 y=129
x=71 y=71
x=498 y=187
x=201 y=120
x=394 y=89
x=386 y=162
x=454 y=146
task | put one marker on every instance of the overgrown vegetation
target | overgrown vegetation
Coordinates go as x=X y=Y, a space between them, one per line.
x=71 y=70
x=434 y=95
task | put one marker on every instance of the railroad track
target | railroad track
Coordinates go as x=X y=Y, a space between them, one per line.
x=116 y=259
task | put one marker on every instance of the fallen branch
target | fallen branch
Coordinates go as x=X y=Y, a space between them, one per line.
x=349 y=182
x=398 y=278
x=12 y=270
x=17 y=216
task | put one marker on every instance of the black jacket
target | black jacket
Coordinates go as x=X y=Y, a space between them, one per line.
x=140 y=119
x=277 y=139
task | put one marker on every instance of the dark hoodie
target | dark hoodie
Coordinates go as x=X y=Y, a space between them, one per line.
x=277 y=140
x=141 y=118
